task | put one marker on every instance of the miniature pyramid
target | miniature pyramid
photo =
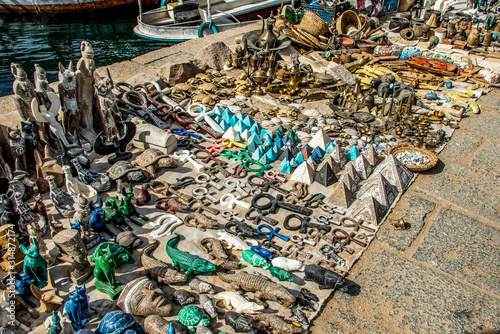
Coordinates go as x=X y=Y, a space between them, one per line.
x=349 y=169
x=268 y=142
x=240 y=116
x=245 y=135
x=255 y=129
x=306 y=151
x=227 y=115
x=230 y=133
x=286 y=168
x=248 y=121
x=233 y=121
x=395 y=172
x=326 y=177
x=353 y=153
x=259 y=152
x=371 y=155
x=277 y=151
x=292 y=136
x=271 y=155
x=264 y=159
x=312 y=163
x=238 y=138
x=329 y=160
x=299 y=159
x=218 y=110
x=321 y=140
x=363 y=167
x=280 y=132
x=341 y=196
x=339 y=156
x=264 y=133
x=318 y=154
x=240 y=127
x=255 y=138
x=224 y=125
x=370 y=210
x=252 y=147
x=304 y=173
x=379 y=188
x=331 y=146
x=278 y=143
x=286 y=153
x=349 y=182
x=284 y=161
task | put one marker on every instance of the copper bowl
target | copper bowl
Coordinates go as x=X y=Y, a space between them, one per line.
x=366 y=46
x=346 y=41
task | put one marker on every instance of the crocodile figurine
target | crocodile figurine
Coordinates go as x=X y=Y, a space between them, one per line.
x=234 y=301
x=185 y=261
x=159 y=270
x=274 y=324
x=262 y=288
x=201 y=221
x=216 y=251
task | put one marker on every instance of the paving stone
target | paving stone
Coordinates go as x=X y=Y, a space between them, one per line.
x=485 y=124
x=473 y=190
x=461 y=146
x=464 y=248
x=491 y=100
x=488 y=158
x=413 y=210
x=396 y=295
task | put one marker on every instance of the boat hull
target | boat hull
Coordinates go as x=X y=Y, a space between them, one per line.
x=61 y=6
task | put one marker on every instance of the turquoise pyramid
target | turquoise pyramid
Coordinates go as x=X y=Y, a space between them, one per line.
x=299 y=159
x=293 y=137
x=353 y=153
x=286 y=168
x=255 y=129
x=258 y=153
x=240 y=127
x=271 y=155
x=264 y=133
x=268 y=142
x=252 y=147
x=248 y=121
x=254 y=138
x=278 y=143
x=280 y=132
x=218 y=110
x=240 y=116
x=331 y=146
x=264 y=159
x=284 y=161
x=277 y=151
x=224 y=125
x=233 y=121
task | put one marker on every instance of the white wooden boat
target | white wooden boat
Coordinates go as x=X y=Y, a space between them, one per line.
x=197 y=18
x=57 y=6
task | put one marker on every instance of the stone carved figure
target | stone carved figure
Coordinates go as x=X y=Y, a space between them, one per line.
x=24 y=91
x=106 y=104
x=48 y=296
x=16 y=145
x=85 y=69
x=35 y=266
x=77 y=307
x=31 y=143
x=104 y=272
x=68 y=98
x=41 y=89
x=143 y=297
x=44 y=251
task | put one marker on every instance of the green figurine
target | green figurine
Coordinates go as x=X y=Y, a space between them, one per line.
x=55 y=327
x=104 y=272
x=192 y=317
x=120 y=254
x=185 y=261
x=281 y=274
x=35 y=266
x=255 y=259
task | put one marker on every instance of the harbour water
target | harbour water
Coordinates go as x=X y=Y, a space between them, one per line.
x=46 y=41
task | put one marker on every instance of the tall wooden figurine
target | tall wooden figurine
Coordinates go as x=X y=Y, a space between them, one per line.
x=85 y=69
x=106 y=103
x=68 y=98
x=24 y=91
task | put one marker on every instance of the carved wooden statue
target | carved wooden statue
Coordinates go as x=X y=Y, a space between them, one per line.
x=106 y=103
x=85 y=69
x=70 y=243
x=24 y=91
x=68 y=97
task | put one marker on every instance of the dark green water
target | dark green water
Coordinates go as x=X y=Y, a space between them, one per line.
x=26 y=41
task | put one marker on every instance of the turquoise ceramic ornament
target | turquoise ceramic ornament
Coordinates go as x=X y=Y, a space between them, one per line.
x=277 y=151
x=271 y=155
x=233 y=120
x=331 y=146
x=248 y=121
x=218 y=110
x=252 y=147
x=255 y=129
x=299 y=159
x=224 y=125
x=258 y=153
x=286 y=168
x=353 y=153
x=255 y=138
x=449 y=84
x=317 y=154
x=264 y=133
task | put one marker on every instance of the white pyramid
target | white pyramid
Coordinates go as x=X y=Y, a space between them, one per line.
x=320 y=139
x=230 y=133
x=304 y=173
